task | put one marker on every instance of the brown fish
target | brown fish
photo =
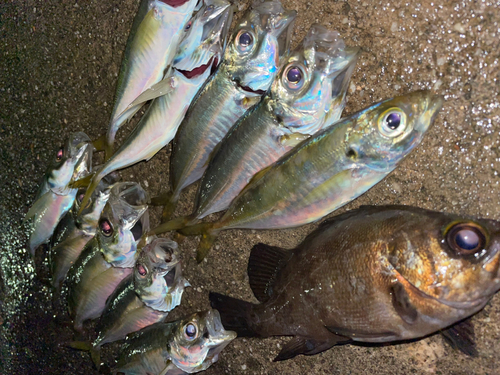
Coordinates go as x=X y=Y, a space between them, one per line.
x=375 y=274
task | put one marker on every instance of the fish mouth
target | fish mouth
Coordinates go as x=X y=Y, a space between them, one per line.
x=174 y=3
x=190 y=74
x=249 y=89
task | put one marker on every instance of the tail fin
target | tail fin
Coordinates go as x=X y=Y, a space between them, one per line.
x=169 y=202
x=95 y=353
x=93 y=185
x=175 y=224
x=208 y=237
x=263 y=267
x=234 y=314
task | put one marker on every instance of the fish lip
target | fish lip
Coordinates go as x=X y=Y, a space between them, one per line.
x=174 y=3
x=190 y=74
x=218 y=334
x=249 y=89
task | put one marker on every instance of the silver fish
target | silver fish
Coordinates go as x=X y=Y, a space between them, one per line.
x=245 y=74
x=109 y=258
x=55 y=196
x=197 y=54
x=189 y=345
x=300 y=103
x=330 y=169
x=80 y=230
x=155 y=290
x=156 y=32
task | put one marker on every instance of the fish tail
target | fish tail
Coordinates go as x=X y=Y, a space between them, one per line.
x=235 y=314
x=109 y=141
x=169 y=202
x=93 y=185
x=169 y=226
x=100 y=143
x=86 y=346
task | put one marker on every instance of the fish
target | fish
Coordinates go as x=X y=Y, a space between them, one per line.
x=156 y=32
x=326 y=171
x=155 y=290
x=77 y=232
x=188 y=345
x=375 y=274
x=55 y=197
x=198 y=53
x=291 y=111
x=248 y=68
x=110 y=256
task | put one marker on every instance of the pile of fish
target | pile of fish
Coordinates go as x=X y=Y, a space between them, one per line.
x=260 y=126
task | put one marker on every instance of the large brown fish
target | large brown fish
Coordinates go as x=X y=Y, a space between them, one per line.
x=375 y=274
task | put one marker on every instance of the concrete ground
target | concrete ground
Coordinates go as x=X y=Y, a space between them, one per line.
x=59 y=64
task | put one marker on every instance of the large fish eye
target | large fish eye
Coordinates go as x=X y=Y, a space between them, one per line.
x=190 y=331
x=466 y=238
x=105 y=227
x=59 y=154
x=142 y=269
x=244 y=41
x=293 y=77
x=392 y=122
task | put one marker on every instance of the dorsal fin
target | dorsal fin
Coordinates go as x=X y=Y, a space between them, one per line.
x=263 y=266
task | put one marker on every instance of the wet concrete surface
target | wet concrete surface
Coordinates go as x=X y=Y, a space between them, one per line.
x=60 y=61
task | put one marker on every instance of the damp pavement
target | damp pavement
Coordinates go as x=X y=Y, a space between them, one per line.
x=59 y=65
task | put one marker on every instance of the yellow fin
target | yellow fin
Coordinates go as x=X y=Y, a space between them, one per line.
x=292 y=140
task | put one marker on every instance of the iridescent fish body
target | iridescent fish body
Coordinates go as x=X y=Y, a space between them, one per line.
x=80 y=230
x=55 y=197
x=198 y=53
x=153 y=40
x=330 y=169
x=189 y=345
x=109 y=258
x=298 y=105
x=155 y=290
x=248 y=68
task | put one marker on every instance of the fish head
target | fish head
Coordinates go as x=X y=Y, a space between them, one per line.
x=198 y=340
x=312 y=82
x=71 y=161
x=157 y=261
x=123 y=221
x=89 y=216
x=204 y=39
x=380 y=136
x=257 y=42
x=449 y=259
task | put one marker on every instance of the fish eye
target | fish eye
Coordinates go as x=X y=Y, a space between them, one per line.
x=105 y=227
x=80 y=196
x=293 y=77
x=168 y=256
x=143 y=271
x=188 y=25
x=466 y=238
x=244 y=41
x=392 y=122
x=190 y=331
x=59 y=154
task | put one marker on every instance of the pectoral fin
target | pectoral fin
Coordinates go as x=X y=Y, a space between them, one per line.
x=159 y=89
x=307 y=346
x=402 y=304
x=292 y=140
x=461 y=336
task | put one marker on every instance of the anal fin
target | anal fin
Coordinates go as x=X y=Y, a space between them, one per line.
x=263 y=266
x=307 y=346
x=461 y=336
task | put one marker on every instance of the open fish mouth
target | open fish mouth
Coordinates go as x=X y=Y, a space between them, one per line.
x=189 y=74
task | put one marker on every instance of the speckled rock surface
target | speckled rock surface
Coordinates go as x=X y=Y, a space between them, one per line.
x=59 y=64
